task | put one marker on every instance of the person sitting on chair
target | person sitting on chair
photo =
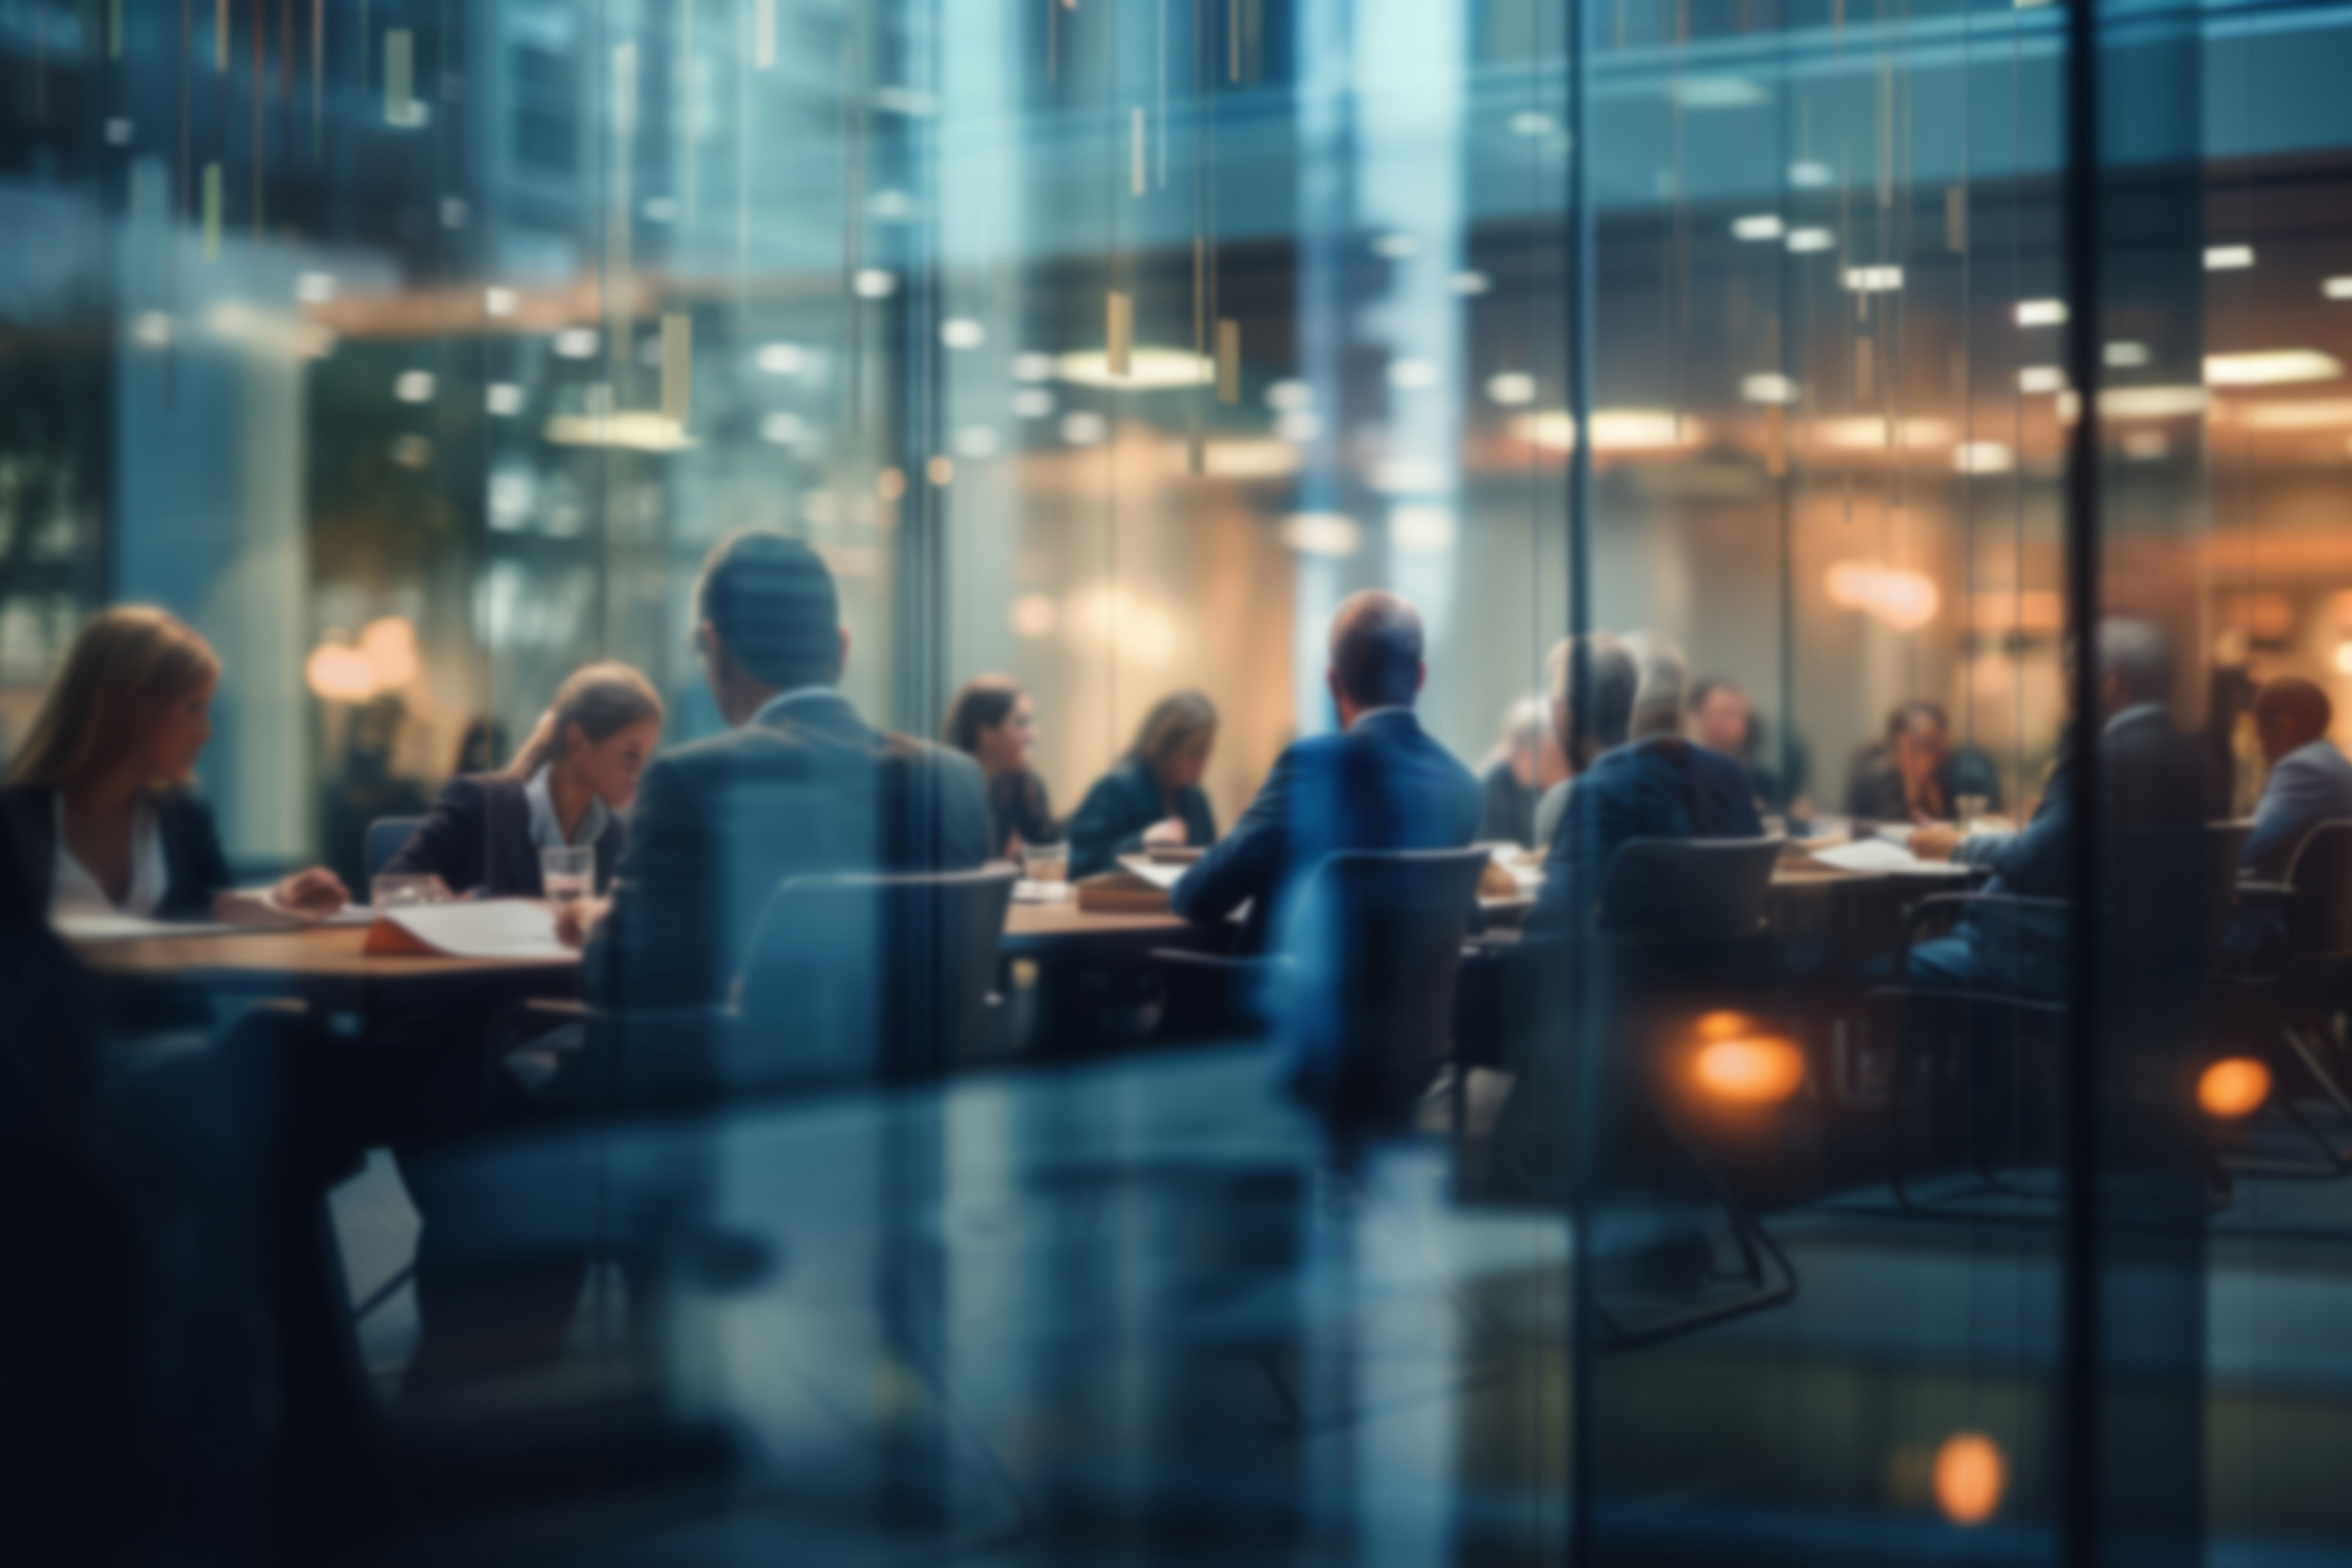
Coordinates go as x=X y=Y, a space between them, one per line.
x=566 y=789
x=1153 y=798
x=992 y=721
x=2310 y=782
x=801 y=785
x=1380 y=782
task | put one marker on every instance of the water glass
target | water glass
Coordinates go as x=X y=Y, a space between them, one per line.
x=1045 y=862
x=396 y=892
x=567 y=874
x=1971 y=809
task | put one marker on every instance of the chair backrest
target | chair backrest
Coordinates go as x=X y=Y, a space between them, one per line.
x=1375 y=941
x=386 y=837
x=2225 y=847
x=1689 y=891
x=851 y=977
x=2321 y=875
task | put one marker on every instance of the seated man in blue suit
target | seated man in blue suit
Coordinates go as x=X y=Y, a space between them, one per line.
x=1379 y=783
x=1657 y=784
x=2310 y=782
x=2151 y=778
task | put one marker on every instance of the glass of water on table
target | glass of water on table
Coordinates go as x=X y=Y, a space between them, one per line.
x=567 y=875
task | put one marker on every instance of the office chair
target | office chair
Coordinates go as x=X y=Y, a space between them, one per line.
x=386 y=835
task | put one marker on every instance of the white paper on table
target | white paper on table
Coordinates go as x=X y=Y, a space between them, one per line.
x=1152 y=871
x=108 y=925
x=1028 y=892
x=1878 y=855
x=490 y=928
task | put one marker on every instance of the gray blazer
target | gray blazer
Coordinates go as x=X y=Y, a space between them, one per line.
x=2311 y=784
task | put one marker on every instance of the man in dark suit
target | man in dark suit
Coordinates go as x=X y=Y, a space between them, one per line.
x=1379 y=783
x=2310 y=783
x=2153 y=788
x=1657 y=784
x=801 y=785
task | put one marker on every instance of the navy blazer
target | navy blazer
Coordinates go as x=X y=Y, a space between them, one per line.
x=196 y=869
x=2311 y=784
x=720 y=824
x=1383 y=783
x=1659 y=787
x=1123 y=803
x=478 y=839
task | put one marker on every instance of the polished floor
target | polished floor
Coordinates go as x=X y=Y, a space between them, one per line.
x=1126 y=1313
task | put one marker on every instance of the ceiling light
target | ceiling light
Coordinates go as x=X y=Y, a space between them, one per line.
x=2337 y=287
x=2229 y=258
x=1412 y=374
x=1874 y=280
x=2042 y=313
x=1904 y=599
x=2270 y=367
x=2040 y=378
x=1322 y=533
x=782 y=359
x=1148 y=369
x=1422 y=530
x=638 y=430
x=576 y=342
x=961 y=333
x=1286 y=395
x=1803 y=240
x=1084 y=428
x=1982 y=457
x=1511 y=388
x=414 y=387
x=503 y=398
x=1808 y=175
x=2125 y=355
x=1758 y=226
x=2324 y=414
x=872 y=283
x=1768 y=386
x=2152 y=401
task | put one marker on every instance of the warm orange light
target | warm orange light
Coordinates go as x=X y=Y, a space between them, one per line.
x=1725 y=1025
x=340 y=674
x=2233 y=1087
x=1971 y=1473
x=1751 y=1071
x=390 y=648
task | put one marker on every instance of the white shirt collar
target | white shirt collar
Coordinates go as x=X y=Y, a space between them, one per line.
x=74 y=891
x=1376 y=712
x=546 y=831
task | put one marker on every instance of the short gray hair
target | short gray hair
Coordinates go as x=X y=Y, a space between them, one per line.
x=1606 y=668
x=2137 y=653
x=1664 y=676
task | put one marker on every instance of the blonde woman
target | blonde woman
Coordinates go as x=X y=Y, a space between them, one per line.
x=568 y=787
x=100 y=800
x=1154 y=797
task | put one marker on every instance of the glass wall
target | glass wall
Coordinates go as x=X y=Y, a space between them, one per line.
x=1943 y=401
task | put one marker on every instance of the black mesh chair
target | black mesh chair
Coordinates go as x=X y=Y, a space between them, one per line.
x=2282 y=1007
x=1591 y=1027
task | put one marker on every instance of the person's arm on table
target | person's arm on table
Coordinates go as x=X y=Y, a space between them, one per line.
x=1245 y=864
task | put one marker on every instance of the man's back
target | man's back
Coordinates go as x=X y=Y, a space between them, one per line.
x=808 y=787
x=1663 y=787
x=1382 y=783
x=2311 y=784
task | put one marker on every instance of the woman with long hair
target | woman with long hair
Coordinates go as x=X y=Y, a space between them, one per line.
x=99 y=799
x=1154 y=797
x=567 y=788
x=992 y=721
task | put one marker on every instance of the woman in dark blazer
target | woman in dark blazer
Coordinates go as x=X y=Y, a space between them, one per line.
x=1154 y=797
x=570 y=785
x=100 y=803
x=992 y=721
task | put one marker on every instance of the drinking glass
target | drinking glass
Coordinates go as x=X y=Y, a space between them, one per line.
x=395 y=891
x=567 y=874
x=1047 y=862
x=1971 y=809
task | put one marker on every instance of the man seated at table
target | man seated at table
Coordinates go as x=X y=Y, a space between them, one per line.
x=1380 y=781
x=1654 y=784
x=2152 y=778
x=2310 y=782
x=801 y=785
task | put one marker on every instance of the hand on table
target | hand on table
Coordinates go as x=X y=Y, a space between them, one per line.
x=576 y=921
x=1937 y=841
x=301 y=898
x=1165 y=833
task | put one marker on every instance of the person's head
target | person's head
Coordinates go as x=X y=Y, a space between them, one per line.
x=1719 y=716
x=992 y=721
x=1662 y=678
x=1176 y=738
x=1528 y=743
x=132 y=706
x=601 y=729
x=2135 y=664
x=1376 y=654
x=767 y=619
x=1592 y=680
x=2290 y=714
x=1918 y=736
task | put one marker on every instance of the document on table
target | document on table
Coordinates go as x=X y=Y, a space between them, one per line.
x=1161 y=875
x=1879 y=854
x=490 y=928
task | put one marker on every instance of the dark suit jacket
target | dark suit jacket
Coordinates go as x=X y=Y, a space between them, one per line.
x=1508 y=811
x=1660 y=787
x=2152 y=778
x=479 y=837
x=1381 y=785
x=2311 y=784
x=1123 y=803
x=718 y=825
x=195 y=867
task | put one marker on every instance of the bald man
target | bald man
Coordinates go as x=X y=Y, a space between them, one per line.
x=2310 y=783
x=1381 y=782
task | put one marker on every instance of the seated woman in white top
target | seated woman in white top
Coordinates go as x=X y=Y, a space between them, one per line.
x=99 y=799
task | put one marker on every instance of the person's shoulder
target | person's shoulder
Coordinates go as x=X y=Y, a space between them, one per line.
x=472 y=792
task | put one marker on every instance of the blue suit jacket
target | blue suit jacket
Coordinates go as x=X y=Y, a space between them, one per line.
x=2311 y=784
x=1661 y=788
x=1381 y=785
